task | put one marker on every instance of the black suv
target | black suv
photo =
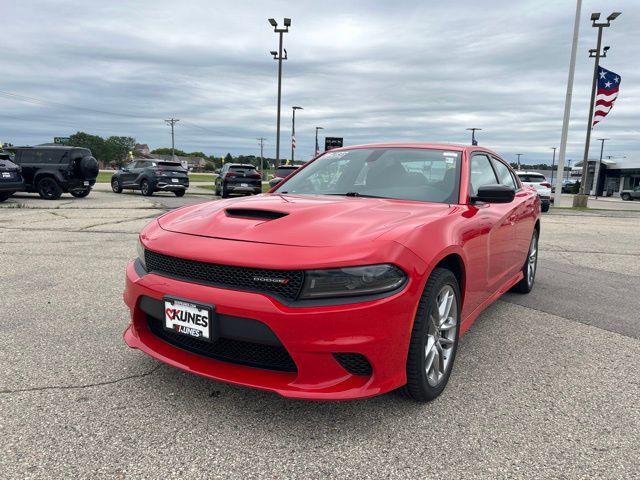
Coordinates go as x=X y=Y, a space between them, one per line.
x=238 y=178
x=10 y=177
x=52 y=171
x=150 y=176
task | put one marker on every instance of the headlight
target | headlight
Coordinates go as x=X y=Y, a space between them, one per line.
x=352 y=281
x=140 y=249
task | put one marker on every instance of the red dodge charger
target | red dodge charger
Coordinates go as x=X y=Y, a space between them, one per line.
x=355 y=276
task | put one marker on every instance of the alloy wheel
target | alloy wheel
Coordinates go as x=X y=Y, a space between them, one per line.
x=441 y=335
x=532 y=259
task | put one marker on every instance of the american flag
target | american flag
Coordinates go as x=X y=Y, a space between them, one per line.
x=293 y=141
x=608 y=85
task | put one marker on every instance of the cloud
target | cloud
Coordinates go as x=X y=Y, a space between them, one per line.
x=367 y=71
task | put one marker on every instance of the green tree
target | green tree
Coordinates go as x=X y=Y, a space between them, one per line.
x=118 y=149
x=94 y=143
x=167 y=151
x=228 y=158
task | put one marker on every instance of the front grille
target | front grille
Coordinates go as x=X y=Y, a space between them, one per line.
x=354 y=363
x=269 y=357
x=283 y=283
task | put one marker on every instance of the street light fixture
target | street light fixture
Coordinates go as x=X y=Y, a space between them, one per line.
x=473 y=135
x=317 y=146
x=581 y=200
x=293 y=131
x=279 y=57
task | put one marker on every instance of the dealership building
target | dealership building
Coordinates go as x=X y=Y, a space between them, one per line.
x=613 y=174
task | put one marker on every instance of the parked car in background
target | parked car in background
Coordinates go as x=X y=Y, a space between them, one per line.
x=568 y=185
x=355 y=277
x=151 y=176
x=282 y=172
x=238 y=178
x=542 y=186
x=10 y=177
x=631 y=194
x=52 y=171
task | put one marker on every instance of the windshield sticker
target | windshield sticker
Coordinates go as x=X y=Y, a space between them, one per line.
x=336 y=154
x=450 y=154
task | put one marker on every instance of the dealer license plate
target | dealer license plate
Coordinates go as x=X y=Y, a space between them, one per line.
x=187 y=318
x=175 y=180
x=86 y=183
x=244 y=184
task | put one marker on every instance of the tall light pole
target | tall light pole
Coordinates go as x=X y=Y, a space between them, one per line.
x=293 y=131
x=317 y=152
x=567 y=101
x=596 y=174
x=553 y=163
x=568 y=171
x=172 y=122
x=473 y=135
x=278 y=56
x=581 y=200
x=519 y=155
x=261 y=169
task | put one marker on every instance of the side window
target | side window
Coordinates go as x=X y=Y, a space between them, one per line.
x=481 y=173
x=504 y=175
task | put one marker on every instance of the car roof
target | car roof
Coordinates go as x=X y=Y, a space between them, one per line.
x=454 y=147
x=241 y=165
x=520 y=172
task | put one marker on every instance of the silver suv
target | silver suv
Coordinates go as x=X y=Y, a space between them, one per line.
x=542 y=186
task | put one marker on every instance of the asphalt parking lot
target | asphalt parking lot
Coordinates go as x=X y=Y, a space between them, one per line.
x=545 y=385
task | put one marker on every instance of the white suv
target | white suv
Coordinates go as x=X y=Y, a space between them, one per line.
x=542 y=186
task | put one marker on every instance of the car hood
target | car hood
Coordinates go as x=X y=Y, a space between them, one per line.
x=302 y=220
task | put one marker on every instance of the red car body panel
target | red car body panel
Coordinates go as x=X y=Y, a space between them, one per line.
x=490 y=241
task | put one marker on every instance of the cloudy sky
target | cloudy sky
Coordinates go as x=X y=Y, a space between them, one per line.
x=369 y=71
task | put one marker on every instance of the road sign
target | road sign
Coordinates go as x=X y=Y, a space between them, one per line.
x=61 y=140
x=332 y=142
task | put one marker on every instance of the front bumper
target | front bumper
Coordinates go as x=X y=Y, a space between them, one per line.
x=378 y=329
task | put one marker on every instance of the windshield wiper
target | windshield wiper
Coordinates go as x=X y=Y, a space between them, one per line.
x=355 y=194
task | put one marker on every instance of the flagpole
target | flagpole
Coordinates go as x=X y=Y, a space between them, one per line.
x=567 y=104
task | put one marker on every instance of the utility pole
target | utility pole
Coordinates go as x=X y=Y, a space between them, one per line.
x=596 y=175
x=569 y=171
x=474 y=142
x=261 y=169
x=172 y=121
x=317 y=152
x=278 y=56
x=293 y=131
x=582 y=199
x=553 y=163
x=567 y=102
x=519 y=154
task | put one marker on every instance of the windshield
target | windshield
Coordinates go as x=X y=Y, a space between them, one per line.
x=401 y=173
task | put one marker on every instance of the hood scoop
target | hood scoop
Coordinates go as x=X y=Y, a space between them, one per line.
x=254 y=213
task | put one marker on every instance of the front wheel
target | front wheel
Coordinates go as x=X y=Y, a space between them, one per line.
x=434 y=338
x=49 y=189
x=625 y=196
x=145 y=188
x=530 y=266
x=80 y=193
x=115 y=185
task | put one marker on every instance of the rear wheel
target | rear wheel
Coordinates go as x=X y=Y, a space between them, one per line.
x=48 y=188
x=5 y=195
x=179 y=193
x=223 y=191
x=545 y=207
x=625 y=196
x=434 y=338
x=115 y=185
x=530 y=266
x=145 y=188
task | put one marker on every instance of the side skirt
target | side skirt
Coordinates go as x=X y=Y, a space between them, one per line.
x=467 y=322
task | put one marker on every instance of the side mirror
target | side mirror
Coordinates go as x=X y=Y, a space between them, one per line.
x=494 y=194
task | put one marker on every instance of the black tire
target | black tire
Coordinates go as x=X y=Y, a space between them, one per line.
x=625 y=196
x=216 y=191
x=179 y=193
x=48 y=188
x=223 y=192
x=545 y=207
x=145 y=188
x=418 y=387
x=81 y=193
x=115 y=185
x=5 y=195
x=526 y=284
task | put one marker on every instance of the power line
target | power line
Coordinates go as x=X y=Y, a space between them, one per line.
x=172 y=121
